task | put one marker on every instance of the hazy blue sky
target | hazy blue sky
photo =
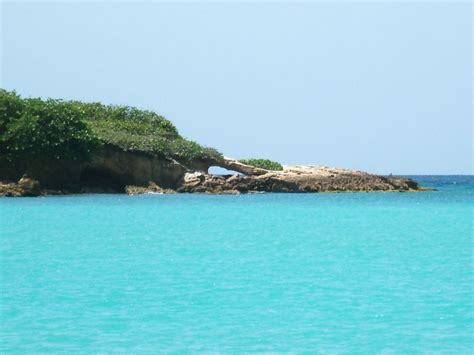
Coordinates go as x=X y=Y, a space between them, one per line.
x=383 y=87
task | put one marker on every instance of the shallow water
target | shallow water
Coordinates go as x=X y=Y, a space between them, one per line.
x=351 y=272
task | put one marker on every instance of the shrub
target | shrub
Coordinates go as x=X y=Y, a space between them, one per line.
x=11 y=107
x=35 y=128
x=126 y=119
x=44 y=130
x=262 y=163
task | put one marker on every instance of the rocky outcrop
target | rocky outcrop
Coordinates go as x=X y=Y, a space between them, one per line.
x=136 y=173
x=295 y=179
x=24 y=187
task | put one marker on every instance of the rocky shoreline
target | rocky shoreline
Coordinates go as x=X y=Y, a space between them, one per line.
x=292 y=179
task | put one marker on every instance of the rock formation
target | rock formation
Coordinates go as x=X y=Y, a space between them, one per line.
x=135 y=170
x=24 y=187
x=295 y=179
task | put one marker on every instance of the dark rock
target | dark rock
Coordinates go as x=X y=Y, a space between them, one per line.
x=110 y=168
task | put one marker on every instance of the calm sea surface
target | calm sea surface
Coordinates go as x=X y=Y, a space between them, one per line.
x=353 y=272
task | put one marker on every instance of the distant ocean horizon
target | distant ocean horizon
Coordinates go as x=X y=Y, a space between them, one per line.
x=325 y=272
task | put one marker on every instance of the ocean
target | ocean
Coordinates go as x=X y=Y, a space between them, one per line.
x=328 y=272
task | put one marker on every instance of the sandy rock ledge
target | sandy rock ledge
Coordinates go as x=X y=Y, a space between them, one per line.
x=293 y=179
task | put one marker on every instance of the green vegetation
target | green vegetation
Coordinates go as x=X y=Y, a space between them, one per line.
x=56 y=129
x=263 y=163
x=32 y=129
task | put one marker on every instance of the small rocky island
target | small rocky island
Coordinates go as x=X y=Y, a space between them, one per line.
x=62 y=147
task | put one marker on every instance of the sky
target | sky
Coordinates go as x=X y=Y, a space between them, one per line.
x=384 y=87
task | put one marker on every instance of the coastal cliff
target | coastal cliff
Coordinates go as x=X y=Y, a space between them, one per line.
x=61 y=147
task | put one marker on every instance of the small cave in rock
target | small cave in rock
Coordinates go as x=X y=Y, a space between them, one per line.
x=100 y=178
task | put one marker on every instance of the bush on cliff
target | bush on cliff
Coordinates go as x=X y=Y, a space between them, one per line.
x=56 y=129
x=34 y=129
x=262 y=163
x=139 y=130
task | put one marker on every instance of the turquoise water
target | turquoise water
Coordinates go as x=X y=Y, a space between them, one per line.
x=355 y=272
